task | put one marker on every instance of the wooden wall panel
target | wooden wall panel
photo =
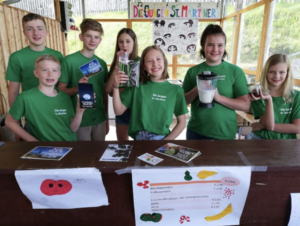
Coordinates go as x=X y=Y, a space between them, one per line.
x=13 y=39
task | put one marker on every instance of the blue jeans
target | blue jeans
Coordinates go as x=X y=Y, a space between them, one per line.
x=145 y=135
x=124 y=118
x=256 y=137
x=191 y=135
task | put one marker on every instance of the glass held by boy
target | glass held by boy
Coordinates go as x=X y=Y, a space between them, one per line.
x=154 y=102
x=48 y=112
x=230 y=94
x=126 y=43
x=278 y=105
x=85 y=67
x=21 y=63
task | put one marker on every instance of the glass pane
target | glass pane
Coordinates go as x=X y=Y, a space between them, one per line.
x=249 y=40
x=143 y=31
x=250 y=78
x=232 y=6
x=229 y=29
x=170 y=69
x=105 y=15
x=194 y=58
x=107 y=47
x=285 y=30
x=181 y=72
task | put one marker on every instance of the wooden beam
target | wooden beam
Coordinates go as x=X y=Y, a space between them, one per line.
x=57 y=10
x=297 y=82
x=236 y=38
x=174 y=66
x=263 y=38
x=246 y=71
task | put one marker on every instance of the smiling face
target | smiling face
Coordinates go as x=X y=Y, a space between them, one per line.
x=91 y=40
x=35 y=31
x=214 y=49
x=48 y=73
x=125 y=43
x=276 y=75
x=154 y=65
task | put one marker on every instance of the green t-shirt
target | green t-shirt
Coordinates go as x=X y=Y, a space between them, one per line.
x=73 y=68
x=283 y=114
x=152 y=106
x=218 y=122
x=21 y=65
x=48 y=118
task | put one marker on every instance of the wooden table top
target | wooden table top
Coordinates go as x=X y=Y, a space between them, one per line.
x=275 y=154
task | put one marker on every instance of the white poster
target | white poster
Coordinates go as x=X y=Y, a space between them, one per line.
x=193 y=195
x=63 y=188
x=176 y=36
x=295 y=210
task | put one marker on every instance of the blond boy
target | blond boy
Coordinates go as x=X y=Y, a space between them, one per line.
x=85 y=67
x=48 y=112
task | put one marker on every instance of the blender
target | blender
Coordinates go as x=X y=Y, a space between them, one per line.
x=206 y=83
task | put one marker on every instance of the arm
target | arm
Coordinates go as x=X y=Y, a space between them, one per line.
x=190 y=96
x=241 y=103
x=13 y=92
x=105 y=101
x=75 y=122
x=293 y=127
x=181 y=123
x=71 y=91
x=119 y=107
x=14 y=126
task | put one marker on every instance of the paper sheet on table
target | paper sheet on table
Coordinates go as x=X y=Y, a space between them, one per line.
x=295 y=211
x=63 y=188
x=198 y=195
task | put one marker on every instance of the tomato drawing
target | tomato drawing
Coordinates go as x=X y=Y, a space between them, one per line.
x=51 y=187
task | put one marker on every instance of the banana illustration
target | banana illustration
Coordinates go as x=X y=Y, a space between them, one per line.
x=205 y=173
x=219 y=216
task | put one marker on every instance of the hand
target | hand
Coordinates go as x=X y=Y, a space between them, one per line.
x=78 y=109
x=83 y=80
x=107 y=126
x=217 y=95
x=262 y=96
x=256 y=126
x=120 y=77
x=120 y=53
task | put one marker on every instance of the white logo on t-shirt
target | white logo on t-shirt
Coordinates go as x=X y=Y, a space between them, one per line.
x=285 y=111
x=158 y=97
x=60 y=111
x=221 y=77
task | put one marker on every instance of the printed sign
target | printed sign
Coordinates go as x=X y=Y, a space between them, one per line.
x=176 y=36
x=193 y=195
x=91 y=68
x=175 y=10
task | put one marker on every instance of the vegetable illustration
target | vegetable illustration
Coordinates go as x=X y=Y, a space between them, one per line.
x=205 y=173
x=188 y=177
x=51 y=187
x=154 y=217
x=219 y=216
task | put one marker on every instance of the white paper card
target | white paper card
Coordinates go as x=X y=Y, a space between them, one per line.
x=63 y=188
x=295 y=211
x=198 y=195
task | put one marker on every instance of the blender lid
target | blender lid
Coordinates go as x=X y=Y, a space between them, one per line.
x=207 y=75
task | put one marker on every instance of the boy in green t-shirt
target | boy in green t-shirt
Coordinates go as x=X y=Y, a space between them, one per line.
x=21 y=63
x=85 y=67
x=49 y=113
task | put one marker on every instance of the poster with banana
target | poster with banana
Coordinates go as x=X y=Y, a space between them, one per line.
x=190 y=195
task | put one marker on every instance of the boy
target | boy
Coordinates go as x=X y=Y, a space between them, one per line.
x=85 y=67
x=48 y=112
x=21 y=63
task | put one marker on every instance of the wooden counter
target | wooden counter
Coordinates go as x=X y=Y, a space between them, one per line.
x=276 y=165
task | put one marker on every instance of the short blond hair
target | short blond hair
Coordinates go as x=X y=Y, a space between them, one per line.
x=90 y=24
x=43 y=58
x=287 y=85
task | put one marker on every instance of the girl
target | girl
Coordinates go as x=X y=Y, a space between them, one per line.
x=153 y=102
x=126 y=42
x=283 y=102
x=231 y=94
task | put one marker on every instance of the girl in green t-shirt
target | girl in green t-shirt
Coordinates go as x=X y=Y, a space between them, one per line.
x=126 y=42
x=154 y=102
x=277 y=107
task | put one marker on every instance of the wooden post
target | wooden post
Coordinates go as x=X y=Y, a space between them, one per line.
x=236 y=38
x=57 y=10
x=174 y=66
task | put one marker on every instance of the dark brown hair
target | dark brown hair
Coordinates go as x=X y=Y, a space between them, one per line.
x=32 y=16
x=144 y=74
x=211 y=29
x=90 y=24
x=133 y=55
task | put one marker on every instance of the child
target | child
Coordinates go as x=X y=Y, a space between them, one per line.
x=85 y=67
x=126 y=42
x=48 y=112
x=279 y=112
x=231 y=94
x=153 y=102
x=21 y=63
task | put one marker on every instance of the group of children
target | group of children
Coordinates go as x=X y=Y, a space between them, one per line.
x=144 y=112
